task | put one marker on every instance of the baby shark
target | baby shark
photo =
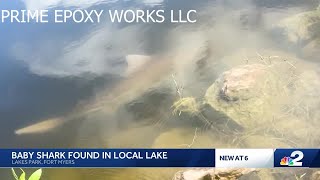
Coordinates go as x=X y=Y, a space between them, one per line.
x=142 y=73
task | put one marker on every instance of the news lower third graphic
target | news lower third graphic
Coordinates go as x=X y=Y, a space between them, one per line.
x=113 y=158
x=127 y=158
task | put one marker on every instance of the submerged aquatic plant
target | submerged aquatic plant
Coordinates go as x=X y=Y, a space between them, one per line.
x=34 y=176
x=184 y=104
x=187 y=104
x=299 y=177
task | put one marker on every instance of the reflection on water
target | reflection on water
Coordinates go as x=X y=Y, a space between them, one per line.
x=78 y=71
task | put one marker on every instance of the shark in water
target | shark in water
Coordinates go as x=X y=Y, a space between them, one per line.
x=142 y=73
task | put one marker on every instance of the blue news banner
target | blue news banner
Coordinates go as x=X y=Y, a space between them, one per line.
x=297 y=158
x=122 y=158
x=116 y=158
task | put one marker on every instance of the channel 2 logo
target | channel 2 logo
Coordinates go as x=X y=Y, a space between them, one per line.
x=294 y=159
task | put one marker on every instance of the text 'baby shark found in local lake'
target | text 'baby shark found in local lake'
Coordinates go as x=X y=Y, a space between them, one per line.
x=89 y=155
